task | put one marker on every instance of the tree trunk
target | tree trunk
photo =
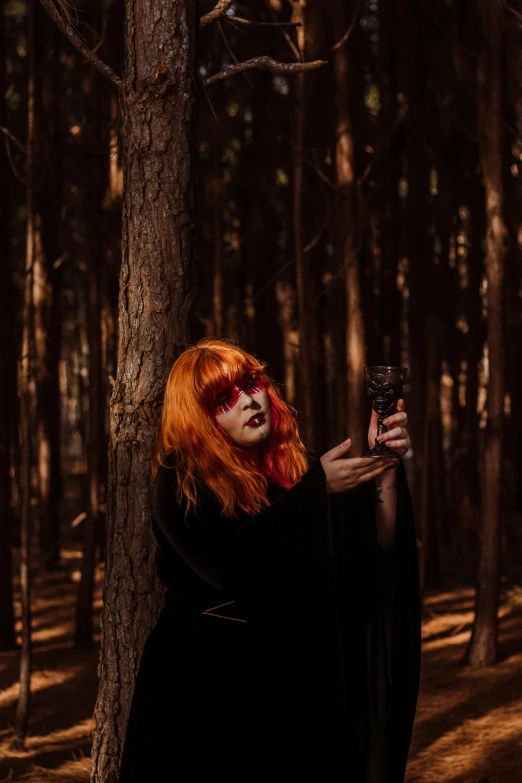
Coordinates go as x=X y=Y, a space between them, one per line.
x=483 y=644
x=217 y=205
x=429 y=570
x=46 y=281
x=24 y=391
x=286 y=297
x=419 y=262
x=157 y=290
x=7 y=632
x=348 y=209
x=299 y=16
x=95 y=186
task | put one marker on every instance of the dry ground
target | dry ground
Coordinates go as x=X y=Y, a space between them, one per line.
x=468 y=728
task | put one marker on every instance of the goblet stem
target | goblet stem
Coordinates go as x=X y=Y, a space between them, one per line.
x=380 y=426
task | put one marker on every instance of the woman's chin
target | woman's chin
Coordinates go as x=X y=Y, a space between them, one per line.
x=256 y=439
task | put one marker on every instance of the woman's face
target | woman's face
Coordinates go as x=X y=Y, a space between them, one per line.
x=243 y=410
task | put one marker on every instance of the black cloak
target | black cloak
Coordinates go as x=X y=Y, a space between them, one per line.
x=289 y=643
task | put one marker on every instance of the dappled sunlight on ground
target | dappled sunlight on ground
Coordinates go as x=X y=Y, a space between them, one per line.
x=468 y=727
x=469 y=721
x=64 y=687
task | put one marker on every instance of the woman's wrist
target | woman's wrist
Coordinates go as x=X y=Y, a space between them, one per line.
x=391 y=471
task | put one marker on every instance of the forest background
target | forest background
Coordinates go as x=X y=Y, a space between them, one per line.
x=328 y=183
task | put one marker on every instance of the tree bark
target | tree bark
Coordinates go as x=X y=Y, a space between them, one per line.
x=217 y=204
x=348 y=213
x=24 y=391
x=7 y=621
x=483 y=644
x=94 y=186
x=156 y=294
x=429 y=569
x=46 y=281
x=419 y=262
x=299 y=16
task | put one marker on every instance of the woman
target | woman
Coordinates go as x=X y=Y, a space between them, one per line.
x=283 y=649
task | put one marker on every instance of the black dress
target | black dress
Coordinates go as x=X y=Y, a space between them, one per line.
x=289 y=643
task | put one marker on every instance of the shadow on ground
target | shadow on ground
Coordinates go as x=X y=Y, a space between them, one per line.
x=468 y=727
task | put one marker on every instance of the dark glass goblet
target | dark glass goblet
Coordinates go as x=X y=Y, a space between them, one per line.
x=384 y=386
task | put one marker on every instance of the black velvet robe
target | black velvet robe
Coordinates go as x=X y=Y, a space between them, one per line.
x=312 y=667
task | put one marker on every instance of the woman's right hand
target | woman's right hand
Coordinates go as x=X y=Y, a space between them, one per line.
x=344 y=474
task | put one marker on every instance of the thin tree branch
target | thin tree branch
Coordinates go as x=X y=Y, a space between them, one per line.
x=264 y=63
x=12 y=163
x=230 y=51
x=347 y=33
x=512 y=10
x=267 y=285
x=77 y=42
x=9 y=135
x=320 y=173
x=318 y=236
x=382 y=144
x=338 y=274
x=220 y=9
x=291 y=44
x=210 y=104
x=240 y=20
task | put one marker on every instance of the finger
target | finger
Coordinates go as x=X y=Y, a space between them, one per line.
x=339 y=450
x=400 y=404
x=398 y=444
x=397 y=432
x=357 y=463
x=396 y=418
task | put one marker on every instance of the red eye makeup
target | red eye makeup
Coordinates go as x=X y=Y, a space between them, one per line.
x=229 y=396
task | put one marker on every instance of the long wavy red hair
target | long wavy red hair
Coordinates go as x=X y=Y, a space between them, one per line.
x=203 y=452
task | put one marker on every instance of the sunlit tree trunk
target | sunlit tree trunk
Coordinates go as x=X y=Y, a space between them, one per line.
x=157 y=281
x=7 y=379
x=388 y=202
x=419 y=258
x=24 y=391
x=349 y=233
x=286 y=297
x=483 y=645
x=46 y=282
x=300 y=16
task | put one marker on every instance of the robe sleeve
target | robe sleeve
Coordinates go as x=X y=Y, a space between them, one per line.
x=236 y=558
x=380 y=615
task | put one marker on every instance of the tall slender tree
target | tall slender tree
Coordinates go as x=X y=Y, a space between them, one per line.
x=349 y=217
x=95 y=183
x=300 y=16
x=8 y=379
x=46 y=281
x=25 y=394
x=483 y=644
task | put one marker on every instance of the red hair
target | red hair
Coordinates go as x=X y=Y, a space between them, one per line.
x=204 y=452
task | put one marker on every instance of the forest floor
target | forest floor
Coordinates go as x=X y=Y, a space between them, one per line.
x=468 y=727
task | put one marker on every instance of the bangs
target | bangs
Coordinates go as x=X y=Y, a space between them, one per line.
x=214 y=370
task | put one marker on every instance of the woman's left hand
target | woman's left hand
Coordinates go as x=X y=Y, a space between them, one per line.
x=396 y=436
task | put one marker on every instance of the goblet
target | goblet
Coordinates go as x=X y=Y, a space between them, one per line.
x=384 y=386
